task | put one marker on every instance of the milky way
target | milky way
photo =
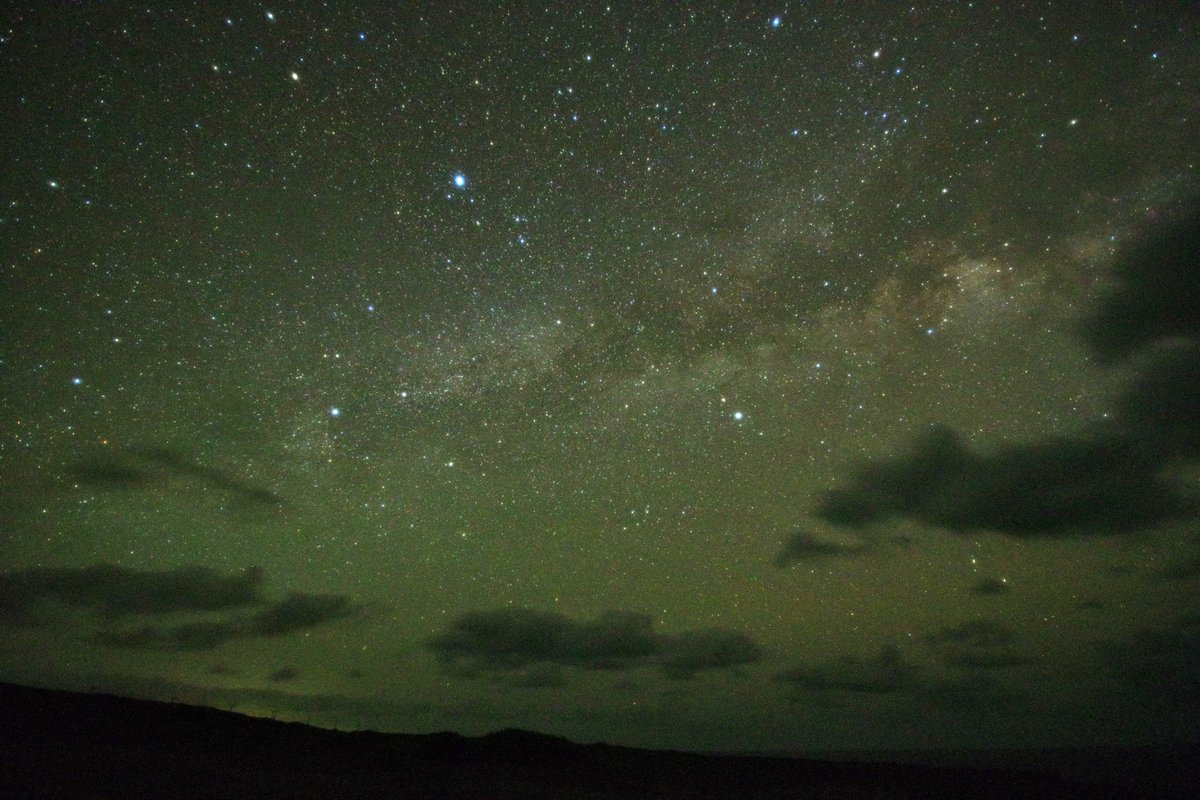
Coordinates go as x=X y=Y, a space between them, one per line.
x=724 y=377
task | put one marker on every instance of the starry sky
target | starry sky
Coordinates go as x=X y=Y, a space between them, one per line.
x=718 y=376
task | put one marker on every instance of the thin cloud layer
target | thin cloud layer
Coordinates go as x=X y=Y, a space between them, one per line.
x=515 y=640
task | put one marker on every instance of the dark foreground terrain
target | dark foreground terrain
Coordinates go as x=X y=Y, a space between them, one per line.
x=68 y=745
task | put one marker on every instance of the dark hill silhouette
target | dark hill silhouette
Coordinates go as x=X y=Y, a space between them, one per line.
x=71 y=745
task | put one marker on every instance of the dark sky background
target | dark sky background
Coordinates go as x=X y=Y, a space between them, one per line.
x=740 y=376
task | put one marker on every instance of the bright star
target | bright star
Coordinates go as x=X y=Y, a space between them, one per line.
x=77 y=381
x=335 y=412
x=776 y=21
x=738 y=416
x=460 y=180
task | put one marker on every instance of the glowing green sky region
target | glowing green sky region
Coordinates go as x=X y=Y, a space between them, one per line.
x=733 y=376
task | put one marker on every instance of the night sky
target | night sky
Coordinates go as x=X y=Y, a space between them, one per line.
x=741 y=376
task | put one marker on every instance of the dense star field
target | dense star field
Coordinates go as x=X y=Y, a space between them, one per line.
x=737 y=376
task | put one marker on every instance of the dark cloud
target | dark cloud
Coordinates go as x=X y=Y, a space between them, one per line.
x=118 y=591
x=513 y=640
x=109 y=473
x=296 y=612
x=139 y=468
x=976 y=651
x=245 y=491
x=1112 y=477
x=204 y=635
x=1055 y=485
x=884 y=673
x=979 y=644
x=539 y=676
x=991 y=586
x=299 y=611
x=1158 y=413
x=974 y=691
x=686 y=654
x=1186 y=570
x=976 y=633
x=1156 y=295
x=284 y=675
x=805 y=545
x=1158 y=666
